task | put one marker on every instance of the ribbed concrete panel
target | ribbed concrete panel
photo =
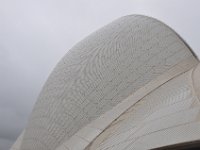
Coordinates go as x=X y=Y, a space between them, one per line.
x=97 y=74
x=167 y=116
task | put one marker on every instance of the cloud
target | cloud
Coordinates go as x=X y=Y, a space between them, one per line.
x=5 y=144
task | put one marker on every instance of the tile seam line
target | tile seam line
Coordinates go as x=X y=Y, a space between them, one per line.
x=139 y=137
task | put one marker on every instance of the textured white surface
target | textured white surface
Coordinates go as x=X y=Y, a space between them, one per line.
x=96 y=127
x=168 y=115
x=196 y=80
x=97 y=74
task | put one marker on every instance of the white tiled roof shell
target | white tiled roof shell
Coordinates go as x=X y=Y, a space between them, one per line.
x=167 y=116
x=98 y=73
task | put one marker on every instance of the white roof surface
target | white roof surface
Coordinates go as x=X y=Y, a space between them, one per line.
x=98 y=74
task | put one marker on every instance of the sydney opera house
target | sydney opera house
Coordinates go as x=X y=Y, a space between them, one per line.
x=132 y=85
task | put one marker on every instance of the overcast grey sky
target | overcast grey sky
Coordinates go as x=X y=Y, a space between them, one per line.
x=35 y=34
